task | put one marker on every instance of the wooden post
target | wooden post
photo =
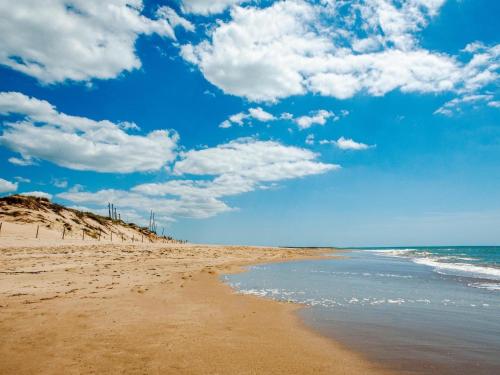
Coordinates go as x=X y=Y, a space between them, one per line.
x=37 y=228
x=83 y=234
x=111 y=235
x=1 y=227
x=142 y=237
x=100 y=230
x=122 y=237
x=64 y=231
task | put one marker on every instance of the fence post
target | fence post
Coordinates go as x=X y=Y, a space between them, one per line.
x=64 y=231
x=1 y=227
x=83 y=234
x=37 y=228
x=111 y=235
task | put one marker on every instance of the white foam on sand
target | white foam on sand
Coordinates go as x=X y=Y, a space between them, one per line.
x=300 y=297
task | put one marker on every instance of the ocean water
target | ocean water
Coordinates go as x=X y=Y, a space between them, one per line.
x=422 y=310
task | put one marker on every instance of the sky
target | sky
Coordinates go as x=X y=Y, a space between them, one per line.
x=292 y=123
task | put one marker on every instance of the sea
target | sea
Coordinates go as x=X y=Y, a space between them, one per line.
x=419 y=310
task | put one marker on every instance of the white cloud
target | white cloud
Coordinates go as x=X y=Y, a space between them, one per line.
x=347 y=144
x=238 y=118
x=38 y=194
x=261 y=115
x=207 y=7
x=78 y=40
x=255 y=160
x=78 y=142
x=24 y=162
x=254 y=54
x=142 y=204
x=310 y=139
x=198 y=189
x=253 y=113
x=494 y=104
x=226 y=124
x=76 y=188
x=22 y=179
x=234 y=168
x=293 y=47
x=455 y=105
x=393 y=23
x=174 y=19
x=7 y=186
x=60 y=183
x=315 y=118
x=318 y=117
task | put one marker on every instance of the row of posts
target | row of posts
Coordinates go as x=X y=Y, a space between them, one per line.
x=83 y=234
x=113 y=215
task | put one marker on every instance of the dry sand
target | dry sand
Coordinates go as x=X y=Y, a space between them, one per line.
x=93 y=308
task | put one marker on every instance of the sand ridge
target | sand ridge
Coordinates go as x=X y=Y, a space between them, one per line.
x=27 y=218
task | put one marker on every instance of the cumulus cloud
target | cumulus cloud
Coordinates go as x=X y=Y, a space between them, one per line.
x=255 y=160
x=310 y=139
x=38 y=194
x=234 y=168
x=22 y=179
x=391 y=23
x=294 y=47
x=254 y=54
x=7 y=186
x=455 y=105
x=242 y=117
x=226 y=124
x=142 y=204
x=315 y=118
x=207 y=7
x=61 y=183
x=261 y=115
x=78 y=142
x=78 y=40
x=347 y=144
x=24 y=162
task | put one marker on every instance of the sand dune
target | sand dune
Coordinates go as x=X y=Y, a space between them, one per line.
x=29 y=218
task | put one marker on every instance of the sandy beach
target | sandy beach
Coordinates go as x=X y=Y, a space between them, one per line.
x=155 y=308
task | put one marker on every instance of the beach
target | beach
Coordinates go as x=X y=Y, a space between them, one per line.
x=152 y=308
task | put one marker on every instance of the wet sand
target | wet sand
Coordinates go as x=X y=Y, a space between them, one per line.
x=156 y=308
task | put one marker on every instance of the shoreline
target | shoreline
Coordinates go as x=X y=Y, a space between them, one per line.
x=154 y=309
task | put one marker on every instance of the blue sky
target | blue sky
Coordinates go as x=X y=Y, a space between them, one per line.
x=368 y=122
